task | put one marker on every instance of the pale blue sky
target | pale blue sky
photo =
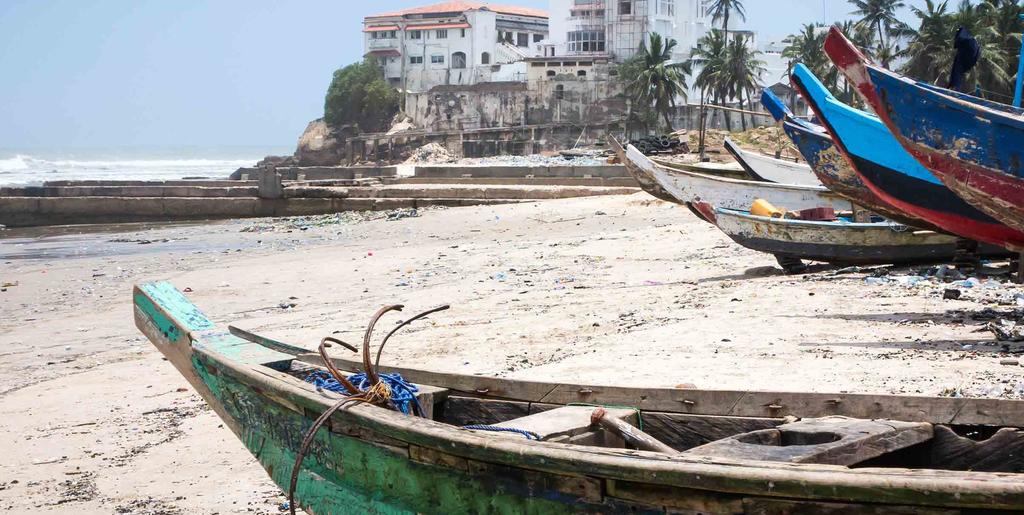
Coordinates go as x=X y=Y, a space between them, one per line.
x=77 y=74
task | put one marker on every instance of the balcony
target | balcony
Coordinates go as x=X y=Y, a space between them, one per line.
x=375 y=44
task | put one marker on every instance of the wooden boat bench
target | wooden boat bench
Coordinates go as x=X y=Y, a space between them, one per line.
x=570 y=424
x=828 y=440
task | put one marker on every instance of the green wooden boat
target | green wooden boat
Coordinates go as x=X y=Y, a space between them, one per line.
x=721 y=451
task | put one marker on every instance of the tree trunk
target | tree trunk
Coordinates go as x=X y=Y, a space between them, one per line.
x=743 y=119
x=668 y=121
x=728 y=119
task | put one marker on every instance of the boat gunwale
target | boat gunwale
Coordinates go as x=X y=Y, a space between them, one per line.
x=824 y=224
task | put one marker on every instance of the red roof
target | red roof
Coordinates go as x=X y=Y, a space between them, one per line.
x=466 y=5
x=381 y=28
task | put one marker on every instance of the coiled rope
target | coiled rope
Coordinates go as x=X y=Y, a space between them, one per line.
x=399 y=392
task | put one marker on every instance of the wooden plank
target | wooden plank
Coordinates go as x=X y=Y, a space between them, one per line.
x=766 y=506
x=1003 y=452
x=565 y=421
x=676 y=500
x=464 y=411
x=683 y=431
x=935 y=410
x=831 y=440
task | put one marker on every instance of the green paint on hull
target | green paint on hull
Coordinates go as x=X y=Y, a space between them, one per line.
x=178 y=309
x=342 y=474
x=238 y=350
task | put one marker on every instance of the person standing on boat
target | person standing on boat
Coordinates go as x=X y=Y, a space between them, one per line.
x=967 y=54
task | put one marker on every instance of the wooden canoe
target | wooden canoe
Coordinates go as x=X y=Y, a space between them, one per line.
x=839 y=242
x=733 y=193
x=976 y=147
x=769 y=169
x=893 y=174
x=736 y=451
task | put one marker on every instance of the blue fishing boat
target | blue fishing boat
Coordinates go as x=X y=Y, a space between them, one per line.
x=829 y=165
x=893 y=174
x=975 y=146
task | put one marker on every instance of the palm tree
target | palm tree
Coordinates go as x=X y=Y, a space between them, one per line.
x=722 y=9
x=930 y=51
x=744 y=72
x=712 y=54
x=659 y=81
x=880 y=14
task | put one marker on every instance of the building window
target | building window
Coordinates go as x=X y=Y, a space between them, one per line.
x=437 y=59
x=463 y=32
x=551 y=73
x=537 y=38
x=559 y=92
x=586 y=41
x=441 y=34
x=485 y=58
x=506 y=37
x=416 y=59
x=415 y=34
x=522 y=39
x=458 y=60
x=625 y=7
x=385 y=34
x=581 y=73
x=667 y=7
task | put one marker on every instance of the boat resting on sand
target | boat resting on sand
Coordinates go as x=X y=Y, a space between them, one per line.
x=892 y=173
x=535 y=447
x=842 y=242
x=973 y=145
x=769 y=169
x=733 y=193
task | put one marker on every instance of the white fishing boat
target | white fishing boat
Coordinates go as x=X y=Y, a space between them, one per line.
x=689 y=187
x=769 y=169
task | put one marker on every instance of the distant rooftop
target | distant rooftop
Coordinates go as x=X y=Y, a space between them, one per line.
x=466 y=5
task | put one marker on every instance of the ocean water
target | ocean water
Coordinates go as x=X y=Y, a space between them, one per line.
x=23 y=167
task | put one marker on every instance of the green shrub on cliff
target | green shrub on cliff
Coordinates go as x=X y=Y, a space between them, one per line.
x=358 y=95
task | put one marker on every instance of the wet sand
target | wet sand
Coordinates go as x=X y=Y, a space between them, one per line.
x=623 y=290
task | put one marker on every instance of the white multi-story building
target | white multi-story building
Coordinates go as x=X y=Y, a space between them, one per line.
x=454 y=43
x=616 y=28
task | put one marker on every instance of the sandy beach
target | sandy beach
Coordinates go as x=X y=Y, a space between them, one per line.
x=617 y=290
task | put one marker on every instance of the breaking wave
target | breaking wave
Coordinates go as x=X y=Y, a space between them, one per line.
x=26 y=170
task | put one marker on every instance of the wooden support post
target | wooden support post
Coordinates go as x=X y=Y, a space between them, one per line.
x=630 y=434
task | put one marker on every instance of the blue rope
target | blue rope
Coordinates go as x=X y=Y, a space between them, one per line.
x=530 y=435
x=403 y=393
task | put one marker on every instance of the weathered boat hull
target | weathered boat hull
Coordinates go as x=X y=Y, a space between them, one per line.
x=829 y=165
x=768 y=169
x=975 y=148
x=734 y=193
x=893 y=174
x=834 y=242
x=373 y=460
